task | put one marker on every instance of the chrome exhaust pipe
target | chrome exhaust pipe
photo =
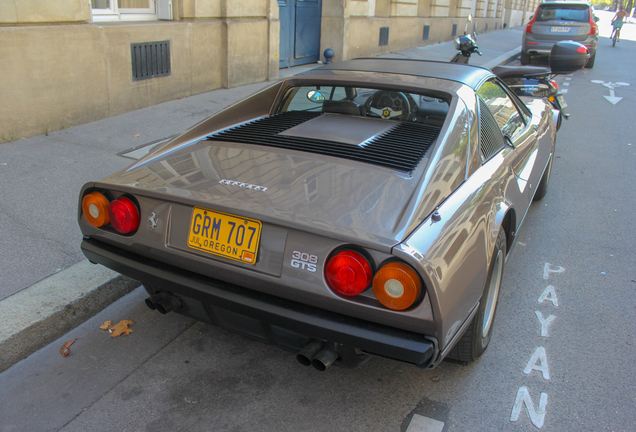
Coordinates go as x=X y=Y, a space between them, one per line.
x=168 y=304
x=152 y=301
x=309 y=352
x=324 y=359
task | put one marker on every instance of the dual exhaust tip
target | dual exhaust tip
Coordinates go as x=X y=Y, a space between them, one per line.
x=318 y=355
x=163 y=302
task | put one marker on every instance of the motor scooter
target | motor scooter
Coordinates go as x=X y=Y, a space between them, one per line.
x=530 y=81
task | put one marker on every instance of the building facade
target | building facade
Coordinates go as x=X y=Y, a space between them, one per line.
x=68 y=62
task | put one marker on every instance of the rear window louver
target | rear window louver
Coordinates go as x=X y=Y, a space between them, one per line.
x=400 y=149
x=490 y=138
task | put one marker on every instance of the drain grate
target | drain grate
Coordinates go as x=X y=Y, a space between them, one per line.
x=150 y=59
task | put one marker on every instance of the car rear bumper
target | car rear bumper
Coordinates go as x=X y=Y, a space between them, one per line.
x=285 y=323
x=538 y=47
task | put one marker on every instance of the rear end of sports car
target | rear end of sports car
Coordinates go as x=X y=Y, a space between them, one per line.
x=287 y=225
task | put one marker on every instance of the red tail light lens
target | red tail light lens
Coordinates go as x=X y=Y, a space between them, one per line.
x=593 y=26
x=396 y=286
x=555 y=84
x=529 y=26
x=348 y=273
x=583 y=50
x=95 y=209
x=123 y=214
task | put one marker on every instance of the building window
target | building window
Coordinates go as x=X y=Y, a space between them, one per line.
x=123 y=10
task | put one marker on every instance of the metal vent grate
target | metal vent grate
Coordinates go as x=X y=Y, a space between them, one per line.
x=384 y=36
x=427 y=30
x=454 y=30
x=490 y=138
x=401 y=149
x=150 y=59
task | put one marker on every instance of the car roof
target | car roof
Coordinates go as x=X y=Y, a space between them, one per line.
x=565 y=3
x=466 y=74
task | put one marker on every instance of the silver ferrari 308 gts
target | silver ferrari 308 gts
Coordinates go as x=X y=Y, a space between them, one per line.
x=363 y=208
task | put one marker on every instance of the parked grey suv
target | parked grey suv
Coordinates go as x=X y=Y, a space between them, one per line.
x=555 y=21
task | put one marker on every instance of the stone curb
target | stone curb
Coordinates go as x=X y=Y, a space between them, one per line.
x=40 y=314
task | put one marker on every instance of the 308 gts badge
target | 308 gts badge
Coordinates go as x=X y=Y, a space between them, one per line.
x=304 y=261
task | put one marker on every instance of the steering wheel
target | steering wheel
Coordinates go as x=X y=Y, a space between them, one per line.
x=388 y=105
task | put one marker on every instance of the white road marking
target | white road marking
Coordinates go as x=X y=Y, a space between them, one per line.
x=537 y=417
x=545 y=323
x=566 y=84
x=424 y=424
x=612 y=98
x=549 y=294
x=564 y=90
x=547 y=269
x=539 y=355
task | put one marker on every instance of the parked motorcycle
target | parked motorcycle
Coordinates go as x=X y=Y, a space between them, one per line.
x=530 y=81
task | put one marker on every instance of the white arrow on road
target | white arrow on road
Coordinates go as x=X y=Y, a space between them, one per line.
x=612 y=98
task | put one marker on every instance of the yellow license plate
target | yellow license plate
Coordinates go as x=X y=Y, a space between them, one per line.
x=224 y=235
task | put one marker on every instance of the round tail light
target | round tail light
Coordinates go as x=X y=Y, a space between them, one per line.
x=348 y=273
x=95 y=209
x=123 y=214
x=396 y=286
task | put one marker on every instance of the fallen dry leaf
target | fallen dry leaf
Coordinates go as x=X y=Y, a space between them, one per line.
x=136 y=136
x=66 y=348
x=121 y=328
x=106 y=325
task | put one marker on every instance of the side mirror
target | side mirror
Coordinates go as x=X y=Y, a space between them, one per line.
x=469 y=20
x=531 y=18
x=596 y=18
x=568 y=56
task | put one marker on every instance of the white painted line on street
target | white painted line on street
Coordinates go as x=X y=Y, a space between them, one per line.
x=424 y=424
x=612 y=98
x=564 y=91
x=566 y=84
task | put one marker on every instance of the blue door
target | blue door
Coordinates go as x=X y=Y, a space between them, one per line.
x=299 y=31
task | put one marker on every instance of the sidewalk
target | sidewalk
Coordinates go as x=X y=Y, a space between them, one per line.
x=46 y=285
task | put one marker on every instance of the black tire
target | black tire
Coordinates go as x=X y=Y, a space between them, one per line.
x=475 y=341
x=590 y=62
x=525 y=58
x=542 y=189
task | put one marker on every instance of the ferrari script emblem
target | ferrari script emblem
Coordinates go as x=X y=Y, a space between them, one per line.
x=243 y=185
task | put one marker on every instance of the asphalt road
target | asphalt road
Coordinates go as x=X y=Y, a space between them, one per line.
x=573 y=269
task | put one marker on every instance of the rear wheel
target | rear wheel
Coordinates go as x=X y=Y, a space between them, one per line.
x=590 y=62
x=525 y=58
x=475 y=341
x=542 y=189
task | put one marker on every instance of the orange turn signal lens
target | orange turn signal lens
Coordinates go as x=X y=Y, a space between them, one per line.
x=396 y=286
x=95 y=209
